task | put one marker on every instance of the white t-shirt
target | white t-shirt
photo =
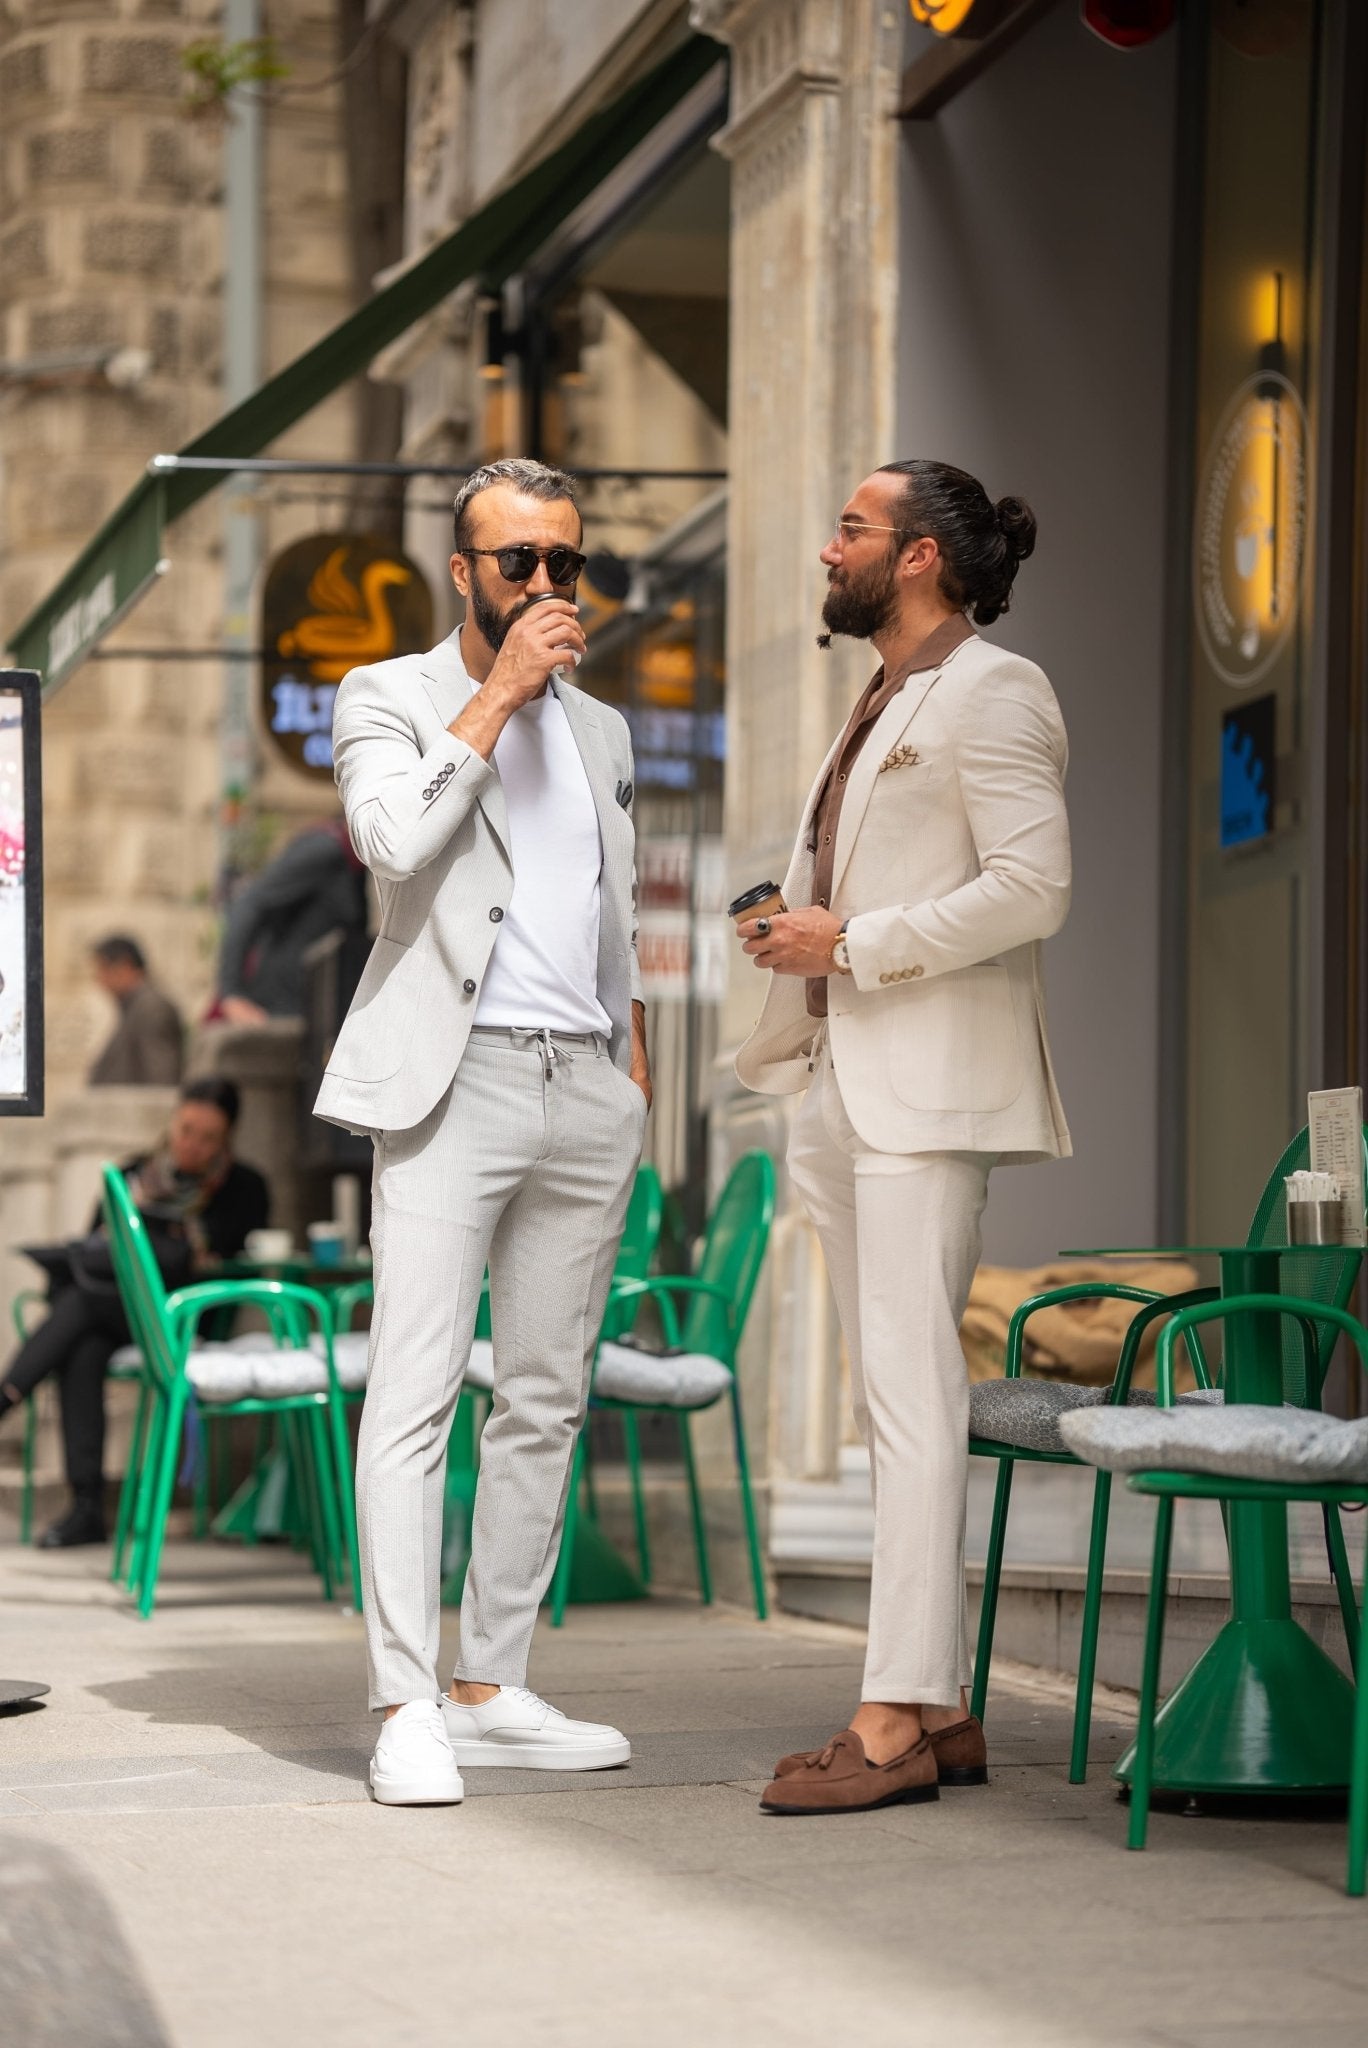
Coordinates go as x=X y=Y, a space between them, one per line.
x=543 y=972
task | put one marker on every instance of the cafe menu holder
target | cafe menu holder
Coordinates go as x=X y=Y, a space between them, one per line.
x=1335 y=1116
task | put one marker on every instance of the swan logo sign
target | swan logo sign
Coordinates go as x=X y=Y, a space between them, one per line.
x=332 y=603
x=1251 y=530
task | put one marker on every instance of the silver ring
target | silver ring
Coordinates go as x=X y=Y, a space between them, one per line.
x=762 y=926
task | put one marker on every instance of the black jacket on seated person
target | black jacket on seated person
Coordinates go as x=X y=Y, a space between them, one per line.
x=83 y=1330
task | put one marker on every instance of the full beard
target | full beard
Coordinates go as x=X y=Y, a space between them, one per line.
x=857 y=610
x=491 y=622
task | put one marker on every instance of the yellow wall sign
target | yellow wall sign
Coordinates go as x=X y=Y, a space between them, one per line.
x=952 y=17
x=332 y=603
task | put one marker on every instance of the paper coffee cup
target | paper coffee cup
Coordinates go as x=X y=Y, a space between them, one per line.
x=766 y=899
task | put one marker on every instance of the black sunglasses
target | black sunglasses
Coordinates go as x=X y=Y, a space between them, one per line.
x=518 y=564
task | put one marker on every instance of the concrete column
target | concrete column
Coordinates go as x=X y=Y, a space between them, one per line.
x=813 y=147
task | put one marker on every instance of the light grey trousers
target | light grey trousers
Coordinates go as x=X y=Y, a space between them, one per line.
x=526 y=1165
x=900 y=1232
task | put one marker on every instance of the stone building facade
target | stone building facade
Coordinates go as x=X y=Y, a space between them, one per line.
x=112 y=246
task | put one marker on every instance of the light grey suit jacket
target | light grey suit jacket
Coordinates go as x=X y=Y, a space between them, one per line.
x=427 y=815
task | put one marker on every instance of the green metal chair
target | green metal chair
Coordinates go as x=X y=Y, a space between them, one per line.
x=1329 y=1281
x=696 y=1371
x=177 y=1371
x=1168 y=1487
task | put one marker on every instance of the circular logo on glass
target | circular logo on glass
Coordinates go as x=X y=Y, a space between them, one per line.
x=1251 y=529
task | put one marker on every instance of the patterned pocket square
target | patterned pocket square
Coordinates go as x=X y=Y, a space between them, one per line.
x=901 y=757
x=624 y=794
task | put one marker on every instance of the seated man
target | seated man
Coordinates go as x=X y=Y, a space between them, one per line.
x=202 y=1203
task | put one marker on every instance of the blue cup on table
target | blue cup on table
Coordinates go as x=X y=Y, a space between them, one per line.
x=327 y=1243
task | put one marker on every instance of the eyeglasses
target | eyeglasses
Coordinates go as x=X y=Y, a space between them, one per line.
x=518 y=564
x=848 y=530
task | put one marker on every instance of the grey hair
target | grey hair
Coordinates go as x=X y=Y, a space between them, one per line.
x=533 y=479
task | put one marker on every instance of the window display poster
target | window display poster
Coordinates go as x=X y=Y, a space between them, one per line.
x=1335 y=1118
x=21 y=896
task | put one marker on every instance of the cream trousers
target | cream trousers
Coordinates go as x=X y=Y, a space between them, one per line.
x=900 y=1232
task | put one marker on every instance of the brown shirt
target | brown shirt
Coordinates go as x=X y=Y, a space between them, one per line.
x=878 y=695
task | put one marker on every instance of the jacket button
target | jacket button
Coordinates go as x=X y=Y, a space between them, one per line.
x=916 y=971
x=496 y=915
x=885 y=978
x=469 y=987
x=450 y=768
x=427 y=794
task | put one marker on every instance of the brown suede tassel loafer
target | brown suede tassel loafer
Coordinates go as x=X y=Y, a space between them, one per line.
x=841 y=1779
x=960 y=1750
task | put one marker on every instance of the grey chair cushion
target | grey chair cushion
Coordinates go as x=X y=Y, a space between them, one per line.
x=218 y=1374
x=689 y=1379
x=1027 y=1413
x=479 y=1372
x=1238 y=1442
x=351 y=1356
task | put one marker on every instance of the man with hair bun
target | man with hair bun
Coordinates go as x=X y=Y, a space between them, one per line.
x=906 y=998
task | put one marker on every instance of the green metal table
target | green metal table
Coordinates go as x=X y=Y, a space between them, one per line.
x=1263 y=1709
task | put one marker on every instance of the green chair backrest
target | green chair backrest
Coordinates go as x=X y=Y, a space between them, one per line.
x=640 y=1236
x=641 y=1232
x=733 y=1252
x=141 y=1287
x=1319 y=1277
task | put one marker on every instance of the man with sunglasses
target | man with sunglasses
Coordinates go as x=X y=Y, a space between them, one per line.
x=495 y=1051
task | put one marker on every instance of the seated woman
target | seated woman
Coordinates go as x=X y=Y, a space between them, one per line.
x=203 y=1200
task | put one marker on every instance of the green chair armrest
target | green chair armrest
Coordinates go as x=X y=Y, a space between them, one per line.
x=661 y=1286
x=1081 y=1290
x=280 y=1299
x=346 y=1299
x=1305 y=1312
x=1167 y=1304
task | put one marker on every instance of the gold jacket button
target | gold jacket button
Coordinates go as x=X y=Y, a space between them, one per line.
x=916 y=971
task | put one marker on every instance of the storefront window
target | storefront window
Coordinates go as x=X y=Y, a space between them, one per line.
x=1251 y=875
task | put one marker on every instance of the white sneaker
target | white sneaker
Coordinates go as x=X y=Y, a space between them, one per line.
x=518 y=1731
x=413 y=1764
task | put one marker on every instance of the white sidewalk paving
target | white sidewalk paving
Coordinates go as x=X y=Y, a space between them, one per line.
x=205 y=1772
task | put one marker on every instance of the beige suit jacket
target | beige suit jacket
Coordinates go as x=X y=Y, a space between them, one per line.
x=952 y=864
x=427 y=815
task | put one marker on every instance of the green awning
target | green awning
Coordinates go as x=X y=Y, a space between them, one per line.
x=125 y=556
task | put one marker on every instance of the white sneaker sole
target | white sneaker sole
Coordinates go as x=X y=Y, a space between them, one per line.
x=414 y=1791
x=540 y=1756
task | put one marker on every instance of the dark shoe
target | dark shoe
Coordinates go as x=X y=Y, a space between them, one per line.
x=960 y=1750
x=841 y=1779
x=83 y=1522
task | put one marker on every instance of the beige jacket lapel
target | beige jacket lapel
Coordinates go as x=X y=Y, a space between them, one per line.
x=888 y=730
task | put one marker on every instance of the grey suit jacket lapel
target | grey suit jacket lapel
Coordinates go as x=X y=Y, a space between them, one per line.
x=589 y=737
x=448 y=686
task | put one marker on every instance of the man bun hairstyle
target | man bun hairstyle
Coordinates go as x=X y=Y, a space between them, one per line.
x=982 y=544
x=533 y=479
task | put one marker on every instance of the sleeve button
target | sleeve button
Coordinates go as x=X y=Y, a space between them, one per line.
x=885 y=979
x=469 y=987
x=916 y=971
x=496 y=915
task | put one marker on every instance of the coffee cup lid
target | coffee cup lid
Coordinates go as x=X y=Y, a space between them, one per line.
x=758 y=894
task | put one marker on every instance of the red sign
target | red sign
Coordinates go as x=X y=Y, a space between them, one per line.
x=1126 y=24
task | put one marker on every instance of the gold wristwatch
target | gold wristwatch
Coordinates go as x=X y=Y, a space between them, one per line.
x=840 y=952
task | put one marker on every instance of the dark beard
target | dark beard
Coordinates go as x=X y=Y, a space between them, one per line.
x=490 y=621
x=860 y=608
